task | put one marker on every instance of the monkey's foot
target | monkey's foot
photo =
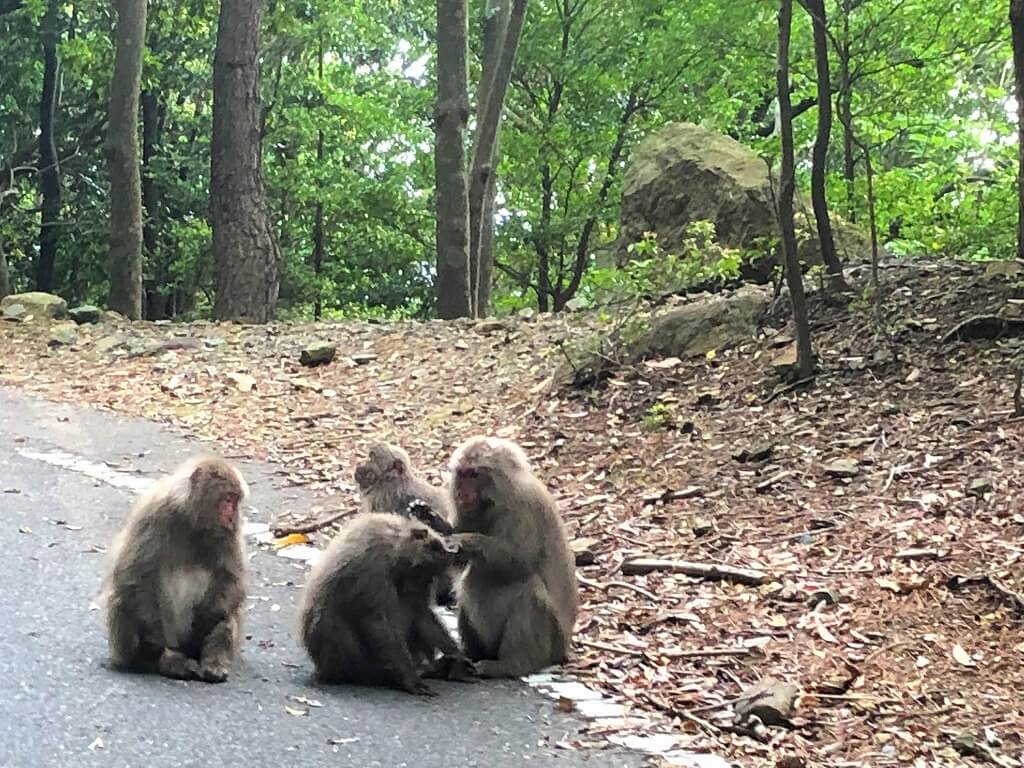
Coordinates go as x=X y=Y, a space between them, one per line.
x=177 y=666
x=451 y=667
x=213 y=672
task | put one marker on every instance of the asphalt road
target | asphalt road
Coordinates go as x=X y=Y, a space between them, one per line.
x=60 y=704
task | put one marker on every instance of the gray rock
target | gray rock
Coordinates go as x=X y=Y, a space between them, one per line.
x=683 y=173
x=63 y=335
x=980 y=487
x=318 y=353
x=769 y=701
x=14 y=312
x=85 y=314
x=363 y=358
x=38 y=304
x=491 y=326
x=698 y=327
x=107 y=343
x=842 y=468
x=755 y=453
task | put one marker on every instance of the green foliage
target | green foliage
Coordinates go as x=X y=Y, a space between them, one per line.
x=660 y=417
x=929 y=94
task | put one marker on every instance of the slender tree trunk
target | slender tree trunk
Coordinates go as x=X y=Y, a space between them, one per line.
x=485 y=277
x=451 y=113
x=819 y=157
x=49 y=170
x=246 y=257
x=1017 y=38
x=501 y=41
x=318 y=214
x=154 y=295
x=805 y=354
x=542 y=240
x=869 y=176
x=845 y=106
x=5 y=275
x=123 y=161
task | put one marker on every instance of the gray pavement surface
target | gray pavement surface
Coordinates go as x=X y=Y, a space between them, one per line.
x=60 y=704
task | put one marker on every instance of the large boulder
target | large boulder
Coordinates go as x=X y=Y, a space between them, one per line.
x=37 y=304
x=682 y=173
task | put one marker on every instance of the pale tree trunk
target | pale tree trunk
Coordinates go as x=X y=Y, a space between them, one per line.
x=123 y=161
x=845 y=106
x=246 y=257
x=318 y=213
x=805 y=354
x=503 y=26
x=451 y=113
x=1017 y=38
x=49 y=169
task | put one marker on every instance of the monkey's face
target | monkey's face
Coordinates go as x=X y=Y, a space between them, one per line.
x=227 y=510
x=366 y=476
x=468 y=486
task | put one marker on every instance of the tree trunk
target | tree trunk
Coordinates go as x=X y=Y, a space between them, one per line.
x=5 y=275
x=123 y=161
x=485 y=277
x=1017 y=38
x=246 y=257
x=503 y=27
x=819 y=157
x=154 y=289
x=49 y=170
x=318 y=214
x=845 y=106
x=805 y=355
x=451 y=113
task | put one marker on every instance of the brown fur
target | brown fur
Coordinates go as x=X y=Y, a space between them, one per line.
x=176 y=587
x=389 y=484
x=366 y=615
x=517 y=599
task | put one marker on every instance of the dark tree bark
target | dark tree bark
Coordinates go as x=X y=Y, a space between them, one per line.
x=5 y=275
x=805 y=354
x=49 y=168
x=503 y=26
x=1017 y=40
x=844 y=99
x=246 y=257
x=451 y=113
x=318 y=213
x=123 y=161
x=819 y=158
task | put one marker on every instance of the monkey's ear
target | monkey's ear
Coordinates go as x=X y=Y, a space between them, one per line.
x=397 y=466
x=197 y=475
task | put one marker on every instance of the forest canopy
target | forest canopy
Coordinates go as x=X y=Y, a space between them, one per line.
x=346 y=118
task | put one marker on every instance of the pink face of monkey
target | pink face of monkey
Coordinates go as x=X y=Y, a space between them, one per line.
x=217 y=490
x=467 y=486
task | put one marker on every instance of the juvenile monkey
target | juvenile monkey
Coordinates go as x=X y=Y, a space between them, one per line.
x=176 y=586
x=517 y=604
x=388 y=484
x=366 y=615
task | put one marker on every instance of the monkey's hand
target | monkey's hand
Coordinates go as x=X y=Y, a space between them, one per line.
x=420 y=510
x=460 y=669
x=419 y=688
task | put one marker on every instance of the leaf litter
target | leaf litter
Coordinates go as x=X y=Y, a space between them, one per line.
x=885 y=518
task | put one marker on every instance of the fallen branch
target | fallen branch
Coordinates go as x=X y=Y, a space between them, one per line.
x=788 y=388
x=1018 y=404
x=611 y=648
x=708 y=571
x=316 y=525
x=985 y=327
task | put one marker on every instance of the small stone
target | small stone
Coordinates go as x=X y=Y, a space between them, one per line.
x=701 y=526
x=107 y=343
x=212 y=342
x=318 y=354
x=110 y=316
x=842 y=468
x=63 y=335
x=784 y=362
x=488 y=327
x=755 y=453
x=583 y=550
x=826 y=596
x=527 y=313
x=363 y=358
x=769 y=701
x=1003 y=269
x=85 y=314
x=980 y=487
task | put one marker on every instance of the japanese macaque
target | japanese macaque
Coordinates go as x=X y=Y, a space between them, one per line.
x=388 y=484
x=517 y=598
x=176 y=587
x=366 y=615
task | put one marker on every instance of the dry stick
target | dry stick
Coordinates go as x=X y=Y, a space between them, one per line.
x=316 y=525
x=709 y=571
x=623 y=584
x=1018 y=404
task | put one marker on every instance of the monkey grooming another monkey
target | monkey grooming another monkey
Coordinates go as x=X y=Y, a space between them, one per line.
x=388 y=484
x=517 y=605
x=366 y=615
x=175 y=590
